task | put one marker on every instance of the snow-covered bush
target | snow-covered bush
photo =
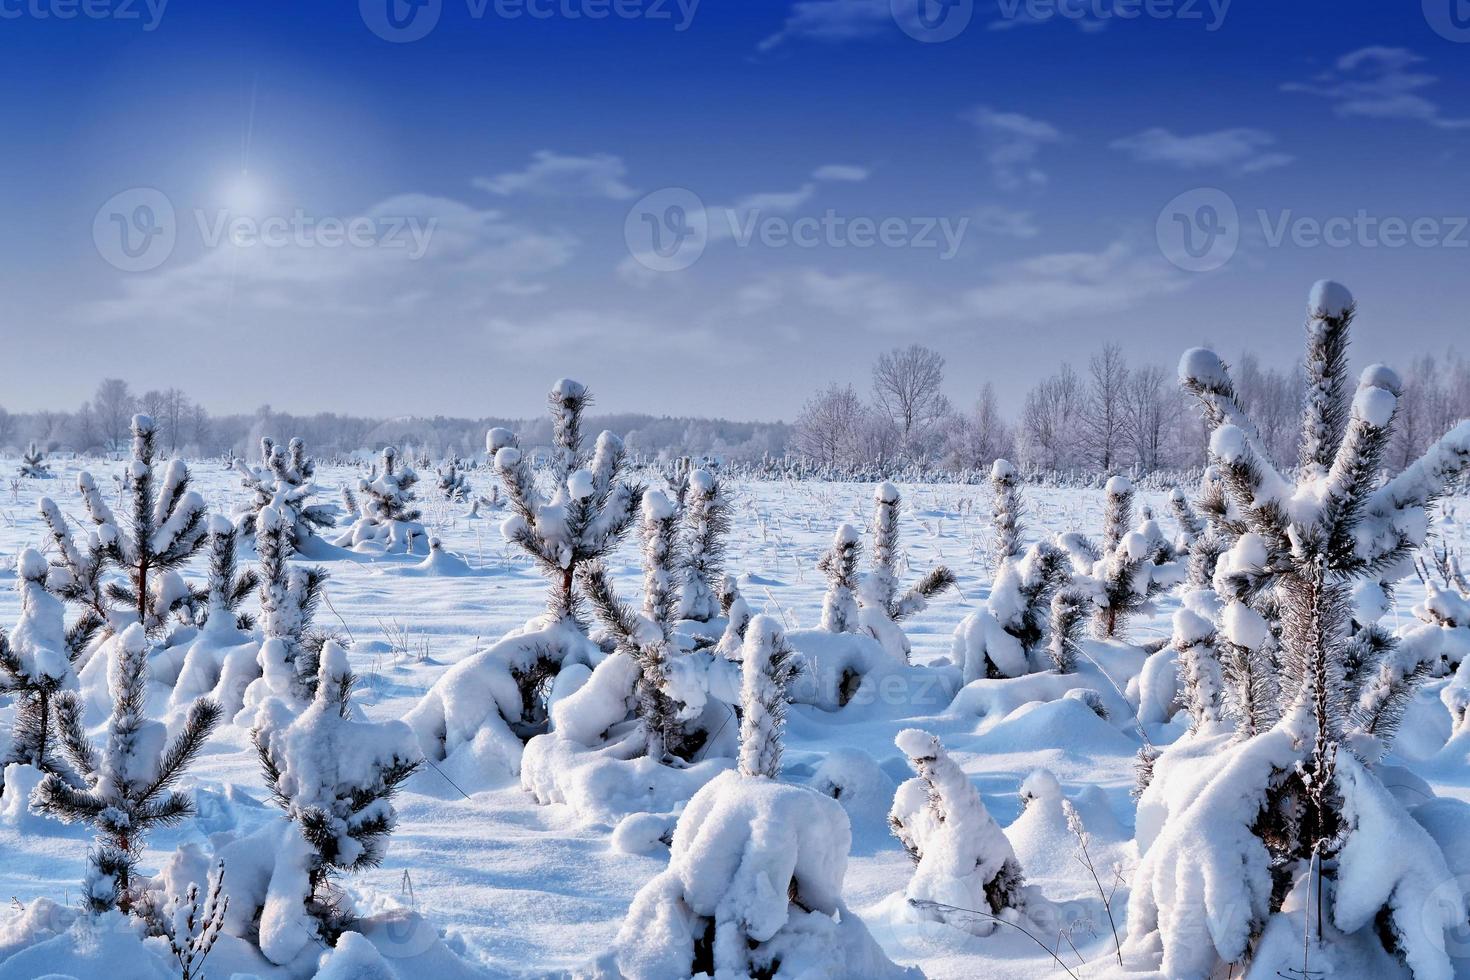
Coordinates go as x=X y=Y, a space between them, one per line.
x=1298 y=806
x=706 y=521
x=1127 y=569
x=288 y=599
x=33 y=463
x=452 y=484
x=125 y=783
x=754 y=882
x=880 y=605
x=164 y=528
x=1007 y=510
x=283 y=481
x=35 y=670
x=1010 y=635
x=335 y=777
x=388 y=518
x=225 y=649
x=964 y=863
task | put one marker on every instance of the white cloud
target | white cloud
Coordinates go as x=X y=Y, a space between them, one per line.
x=831 y=21
x=1013 y=141
x=551 y=174
x=842 y=172
x=1379 y=83
x=1069 y=284
x=995 y=219
x=1240 y=150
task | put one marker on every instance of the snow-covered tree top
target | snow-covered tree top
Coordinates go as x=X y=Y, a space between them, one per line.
x=220 y=524
x=507 y=457
x=1002 y=469
x=581 y=485
x=1204 y=366
x=656 y=505
x=498 y=438
x=917 y=743
x=702 y=481
x=568 y=390
x=32 y=565
x=1119 y=485
x=143 y=423
x=886 y=493
x=1329 y=299
x=846 y=534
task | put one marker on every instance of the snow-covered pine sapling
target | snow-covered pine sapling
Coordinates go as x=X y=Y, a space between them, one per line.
x=648 y=637
x=227 y=586
x=283 y=481
x=288 y=599
x=1200 y=672
x=737 y=618
x=1069 y=610
x=767 y=669
x=1124 y=573
x=1300 y=798
x=589 y=510
x=452 y=484
x=706 y=521
x=76 y=575
x=965 y=864
x=389 y=513
x=125 y=791
x=881 y=606
x=33 y=463
x=1006 y=513
x=1009 y=636
x=349 y=502
x=35 y=670
x=840 y=564
x=335 y=777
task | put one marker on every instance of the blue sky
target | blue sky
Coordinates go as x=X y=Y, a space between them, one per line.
x=498 y=172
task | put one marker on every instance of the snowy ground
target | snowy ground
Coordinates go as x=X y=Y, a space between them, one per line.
x=524 y=889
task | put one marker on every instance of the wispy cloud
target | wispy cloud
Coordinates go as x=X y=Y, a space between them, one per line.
x=551 y=174
x=1070 y=284
x=1379 y=83
x=1241 y=150
x=831 y=21
x=1013 y=141
x=841 y=172
x=995 y=219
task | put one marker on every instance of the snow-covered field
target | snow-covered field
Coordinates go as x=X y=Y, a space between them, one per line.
x=523 y=889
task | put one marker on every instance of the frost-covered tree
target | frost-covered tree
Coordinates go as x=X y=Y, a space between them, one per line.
x=706 y=513
x=964 y=862
x=125 y=791
x=1300 y=801
x=283 y=480
x=881 y=607
x=335 y=777
x=226 y=585
x=1128 y=568
x=33 y=463
x=289 y=595
x=1006 y=513
x=35 y=670
x=452 y=484
x=163 y=528
x=1010 y=635
x=754 y=882
x=767 y=667
x=737 y=618
x=589 y=509
x=840 y=565
x=389 y=515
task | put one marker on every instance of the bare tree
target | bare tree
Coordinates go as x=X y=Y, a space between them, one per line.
x=7 y=426
x=906 y=388
x=1148 y=406
x=827 y=429
x=1049 y=421
x=172 y=415
x=1105 y=423
x=112 y=411
x=977 y=439
x=199 y=428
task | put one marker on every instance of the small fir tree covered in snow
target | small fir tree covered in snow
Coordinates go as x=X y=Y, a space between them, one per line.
x=964 y=862
x=162 y=529
x=452 y=484
x=125 y=791
x=881 y=606
x=35 y=671
x=1010 y=635
x=33 y=463
x=389 y=516
x=840 y=564
x=737 y=618
x=289 y=595
x=1298 y=797
x=283 y=481
x=1122 y=576
x=706 y=513
x=1007 y=511
x=335 y=777
x=226 y=586
x=767 y=669
x=589 y=509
